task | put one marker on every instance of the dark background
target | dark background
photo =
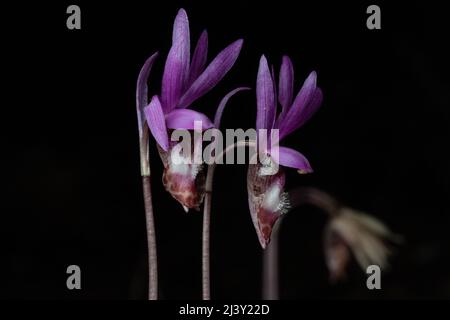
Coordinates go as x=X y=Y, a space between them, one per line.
x=73 y=192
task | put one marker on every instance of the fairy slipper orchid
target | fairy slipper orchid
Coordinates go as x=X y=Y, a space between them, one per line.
x=266 y=196
x=184 y=81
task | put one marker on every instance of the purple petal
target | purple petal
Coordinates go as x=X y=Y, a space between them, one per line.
x=199 y=58
x=312 y=107
x=142 y=90
x=223 y=103
x=215 y=71
x=157 y=123
x=181 y=36
x=286 y=85
x=172 y=82
x=265 y=97
x=185 y=118
x=293 y=159
x=176 y=70
x=295 y=116
x=275 y=94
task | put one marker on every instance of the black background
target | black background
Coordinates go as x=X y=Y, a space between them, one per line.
x=379 y=143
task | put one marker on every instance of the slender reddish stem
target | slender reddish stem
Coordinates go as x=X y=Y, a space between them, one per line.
x=206 y=273
x=151 y=241
x=206 y=276
x=141 y=103
x=149 y=218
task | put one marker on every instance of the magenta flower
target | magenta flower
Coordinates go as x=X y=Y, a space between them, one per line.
x=267 y=199
x=184 y=81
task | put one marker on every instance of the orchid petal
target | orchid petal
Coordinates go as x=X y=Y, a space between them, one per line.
x=142 y=91
x=275 y=94
x=260 y=189
x=199 y=58
x=215 y=71
x=293 y=159
x=312 y=107
x=265 y=98
x=223 y=103
x=181 y=35
x=157 y=123
x=185 y=118
x=286 y=85
x=297 y=112
x=176 y=69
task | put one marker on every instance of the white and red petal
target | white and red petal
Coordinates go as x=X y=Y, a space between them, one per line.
x=184 y=181
x=267 y=201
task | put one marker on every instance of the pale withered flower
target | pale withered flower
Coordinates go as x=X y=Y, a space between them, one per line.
x=351 y=232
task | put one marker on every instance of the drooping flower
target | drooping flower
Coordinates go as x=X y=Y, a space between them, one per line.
x=267 y=199
x=352 y=232
x=184 y=81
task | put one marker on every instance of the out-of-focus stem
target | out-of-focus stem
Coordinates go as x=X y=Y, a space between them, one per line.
x=315 y=197
x=270 y=268
x=150 y=223
x=298 y=196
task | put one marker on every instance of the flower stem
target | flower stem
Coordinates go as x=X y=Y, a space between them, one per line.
x=206 y=276
x=298 y=196
x=150 y=222
x=151 y=241
x=270 y=268
x=313 y=196
x=141 y=103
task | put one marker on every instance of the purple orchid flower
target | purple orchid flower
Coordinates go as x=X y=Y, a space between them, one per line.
x=184 y=81
x=267 y=199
